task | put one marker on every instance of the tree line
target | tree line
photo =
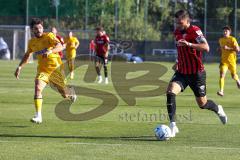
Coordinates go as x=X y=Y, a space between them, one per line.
x=122 y=19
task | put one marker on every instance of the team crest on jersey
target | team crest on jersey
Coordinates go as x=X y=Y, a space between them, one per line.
x=199 y=32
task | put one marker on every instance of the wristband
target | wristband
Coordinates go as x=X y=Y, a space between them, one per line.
x=189 y=44
x=19 y=67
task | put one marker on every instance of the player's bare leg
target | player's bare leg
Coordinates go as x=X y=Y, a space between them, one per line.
x=235 y=77
x=67 y=92
x=204 y=103
x=39 y=86
x=172 y=90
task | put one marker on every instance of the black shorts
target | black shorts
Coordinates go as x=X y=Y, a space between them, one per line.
x=101 y=60
x=197 y=82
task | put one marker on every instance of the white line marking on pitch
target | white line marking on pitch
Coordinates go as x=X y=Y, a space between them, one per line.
x=96 y=144
x=222 y=148
x=105 y=144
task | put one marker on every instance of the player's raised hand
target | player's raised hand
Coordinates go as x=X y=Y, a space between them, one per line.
x=17 y=72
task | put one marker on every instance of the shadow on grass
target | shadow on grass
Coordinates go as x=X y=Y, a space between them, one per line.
x=125 y=138
x=15 y=126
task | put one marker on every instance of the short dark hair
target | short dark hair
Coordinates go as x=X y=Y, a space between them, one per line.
x=227 y=28
x=182 y=14
x=99 y=28
x=35 y=21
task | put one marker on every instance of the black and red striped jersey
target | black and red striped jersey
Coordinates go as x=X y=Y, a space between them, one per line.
x=101 y=44
x=189 y=59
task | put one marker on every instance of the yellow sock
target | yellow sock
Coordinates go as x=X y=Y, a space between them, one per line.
x=221 y=84
x=38 y=104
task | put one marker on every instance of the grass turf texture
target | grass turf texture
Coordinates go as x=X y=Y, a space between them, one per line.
x=124 y=133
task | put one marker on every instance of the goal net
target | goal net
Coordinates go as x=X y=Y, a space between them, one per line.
x=16 y=37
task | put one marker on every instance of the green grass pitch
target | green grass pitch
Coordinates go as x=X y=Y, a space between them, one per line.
x=124 y=133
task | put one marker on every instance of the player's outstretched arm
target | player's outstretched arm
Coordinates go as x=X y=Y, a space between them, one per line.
x=235 y=48
x=201 y=46
x=58 y=48
x=21 y=64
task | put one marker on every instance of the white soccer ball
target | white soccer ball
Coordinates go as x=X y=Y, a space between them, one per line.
x=162 y=132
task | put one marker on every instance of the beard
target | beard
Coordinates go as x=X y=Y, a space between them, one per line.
x=38 y=34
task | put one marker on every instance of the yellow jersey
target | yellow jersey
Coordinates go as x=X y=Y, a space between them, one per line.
x=71 y=43
x=228 y=56
x=47 y=41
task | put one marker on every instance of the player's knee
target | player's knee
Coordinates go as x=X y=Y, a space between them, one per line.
x=97 y=65
x=38 y=90
x=201 y=104
x=222 y=75
x=172 y=91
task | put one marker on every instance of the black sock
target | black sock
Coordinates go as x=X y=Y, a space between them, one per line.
x=210 y=105
x=105 y=71
x=171 y=106
x=98 y=71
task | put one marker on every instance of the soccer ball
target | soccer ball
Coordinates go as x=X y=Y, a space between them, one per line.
x=162 y=132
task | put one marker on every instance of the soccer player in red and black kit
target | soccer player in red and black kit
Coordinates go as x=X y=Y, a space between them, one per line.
x=101 y=49
x=189 y=69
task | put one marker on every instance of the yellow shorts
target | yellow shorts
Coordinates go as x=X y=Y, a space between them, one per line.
x=71 y=54
x=231 y=66
x=56 y=77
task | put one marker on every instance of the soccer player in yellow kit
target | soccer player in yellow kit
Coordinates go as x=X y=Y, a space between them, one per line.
x=72 y=44
x=228 y=49
x=46 y=46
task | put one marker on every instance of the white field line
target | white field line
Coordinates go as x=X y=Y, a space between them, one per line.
x=95 y=144
x=106 y=144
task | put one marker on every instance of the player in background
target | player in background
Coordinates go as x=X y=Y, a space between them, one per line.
x=46 y=47
x=228 y=50
x=60 y=38
x=72 y=44
x=101 y=49
x=92 y=48
x=189 y=69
